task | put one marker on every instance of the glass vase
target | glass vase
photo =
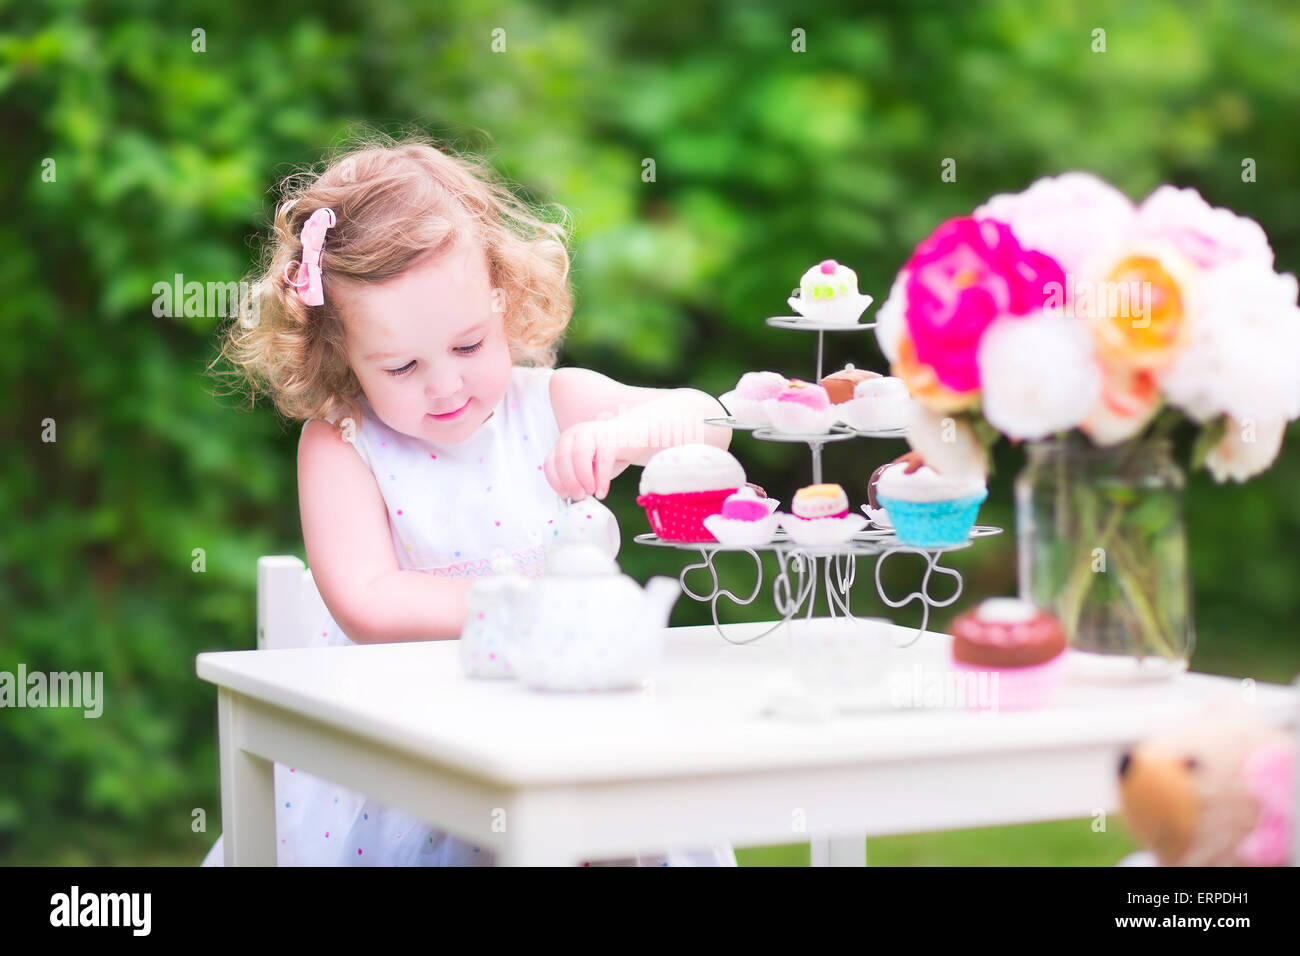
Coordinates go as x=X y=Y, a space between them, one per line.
x=1102 y=543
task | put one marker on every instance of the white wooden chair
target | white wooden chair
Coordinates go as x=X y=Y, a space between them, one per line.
x=289 y=607
x=289 y=612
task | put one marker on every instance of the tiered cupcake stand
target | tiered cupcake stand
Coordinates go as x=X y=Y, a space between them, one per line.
x=799 y=567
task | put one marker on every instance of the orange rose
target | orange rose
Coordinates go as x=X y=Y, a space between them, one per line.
x=1138 y=310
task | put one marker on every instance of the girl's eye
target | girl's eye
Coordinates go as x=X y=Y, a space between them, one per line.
x=462 y=349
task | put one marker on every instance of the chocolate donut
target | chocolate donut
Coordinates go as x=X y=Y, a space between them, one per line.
x=986 y=643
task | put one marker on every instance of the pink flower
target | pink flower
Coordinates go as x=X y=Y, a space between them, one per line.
x=966 y=274
x=1070 y=217
x=1206 y=235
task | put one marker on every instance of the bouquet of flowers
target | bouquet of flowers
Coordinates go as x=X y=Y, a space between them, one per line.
x=1068 y=310
x=1066 y=306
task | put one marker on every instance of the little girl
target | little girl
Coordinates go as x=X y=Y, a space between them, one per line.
x=410 y=312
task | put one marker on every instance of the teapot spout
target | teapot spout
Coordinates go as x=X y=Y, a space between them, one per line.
x=661 y=593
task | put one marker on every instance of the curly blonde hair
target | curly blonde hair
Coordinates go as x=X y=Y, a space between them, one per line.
x=396 y=202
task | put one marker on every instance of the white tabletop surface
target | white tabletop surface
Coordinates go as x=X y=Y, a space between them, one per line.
x=709 y=709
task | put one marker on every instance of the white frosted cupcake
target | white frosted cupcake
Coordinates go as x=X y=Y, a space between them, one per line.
x=745 y=401
x=877 y=404
x=801 y=408
x=683 y=484
x=927 y=509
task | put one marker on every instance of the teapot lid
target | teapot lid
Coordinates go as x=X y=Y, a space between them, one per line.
x=580 y=558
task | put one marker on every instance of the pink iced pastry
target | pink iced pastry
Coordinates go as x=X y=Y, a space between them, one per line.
x=745 y=505
x=805 y=393
x=801 y=409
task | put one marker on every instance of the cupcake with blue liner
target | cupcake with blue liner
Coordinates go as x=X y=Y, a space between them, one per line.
x=930 y=510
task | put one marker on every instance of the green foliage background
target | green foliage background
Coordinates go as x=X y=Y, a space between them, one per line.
x=766 y=160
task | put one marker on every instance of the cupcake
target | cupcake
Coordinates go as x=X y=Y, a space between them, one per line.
x=820 y=501
x=683 y=484
x=840 y=385
x=800 y=409
x=1019 y=647
x=927 y=509
x=821 y=516
x=877 y=404
x=828 y=292
x=745 y=401
x=746 y=519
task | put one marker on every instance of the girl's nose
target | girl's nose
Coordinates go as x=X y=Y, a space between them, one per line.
x=442 y=383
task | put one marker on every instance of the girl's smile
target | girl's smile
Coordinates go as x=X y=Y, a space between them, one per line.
x=450 y=416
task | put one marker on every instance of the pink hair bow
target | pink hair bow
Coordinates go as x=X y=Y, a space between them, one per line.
x=307 y=277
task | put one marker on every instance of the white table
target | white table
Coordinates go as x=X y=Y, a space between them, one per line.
x=690 y=758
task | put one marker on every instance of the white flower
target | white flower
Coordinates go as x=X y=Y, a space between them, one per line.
x=891 y=318
x=1242 y=356
x=1246 y=449
x=1069 y=217
x=1206 y=235
x=1039 y=374
x=947 y=443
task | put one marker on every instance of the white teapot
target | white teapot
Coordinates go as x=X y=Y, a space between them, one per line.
x=489 y=621
x=490 y=602
x=586 y=626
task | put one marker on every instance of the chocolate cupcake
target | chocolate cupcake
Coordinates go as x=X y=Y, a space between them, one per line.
x=840 y=385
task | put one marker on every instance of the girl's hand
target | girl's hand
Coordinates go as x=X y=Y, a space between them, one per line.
x=582 y=461
x=912 y=459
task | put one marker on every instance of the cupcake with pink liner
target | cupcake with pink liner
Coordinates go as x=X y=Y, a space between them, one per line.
x=745 y=401
x=682 y=485
x=800 y=408
x=821 y=517
x=1017 y=647
x=930 y=510
x=746 y=519
x=878 y=404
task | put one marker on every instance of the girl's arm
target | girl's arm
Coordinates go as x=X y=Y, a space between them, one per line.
x=350 y=551
x=606 y=426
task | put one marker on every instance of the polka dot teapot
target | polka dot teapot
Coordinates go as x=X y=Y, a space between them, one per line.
x=584 y=625
x=490 y=601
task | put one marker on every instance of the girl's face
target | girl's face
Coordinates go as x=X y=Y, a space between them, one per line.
x=429 y=346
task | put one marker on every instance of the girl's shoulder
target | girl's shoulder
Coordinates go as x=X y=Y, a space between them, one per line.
x=531 y=377
x=530 y=385
x=358 y=427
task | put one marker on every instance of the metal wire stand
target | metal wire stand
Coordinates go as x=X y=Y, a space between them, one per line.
x=799 y=568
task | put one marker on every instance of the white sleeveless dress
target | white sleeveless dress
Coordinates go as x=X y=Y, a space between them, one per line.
x=451 y=510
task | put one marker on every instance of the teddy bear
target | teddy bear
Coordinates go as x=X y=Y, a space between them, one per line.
x=1217 y=790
